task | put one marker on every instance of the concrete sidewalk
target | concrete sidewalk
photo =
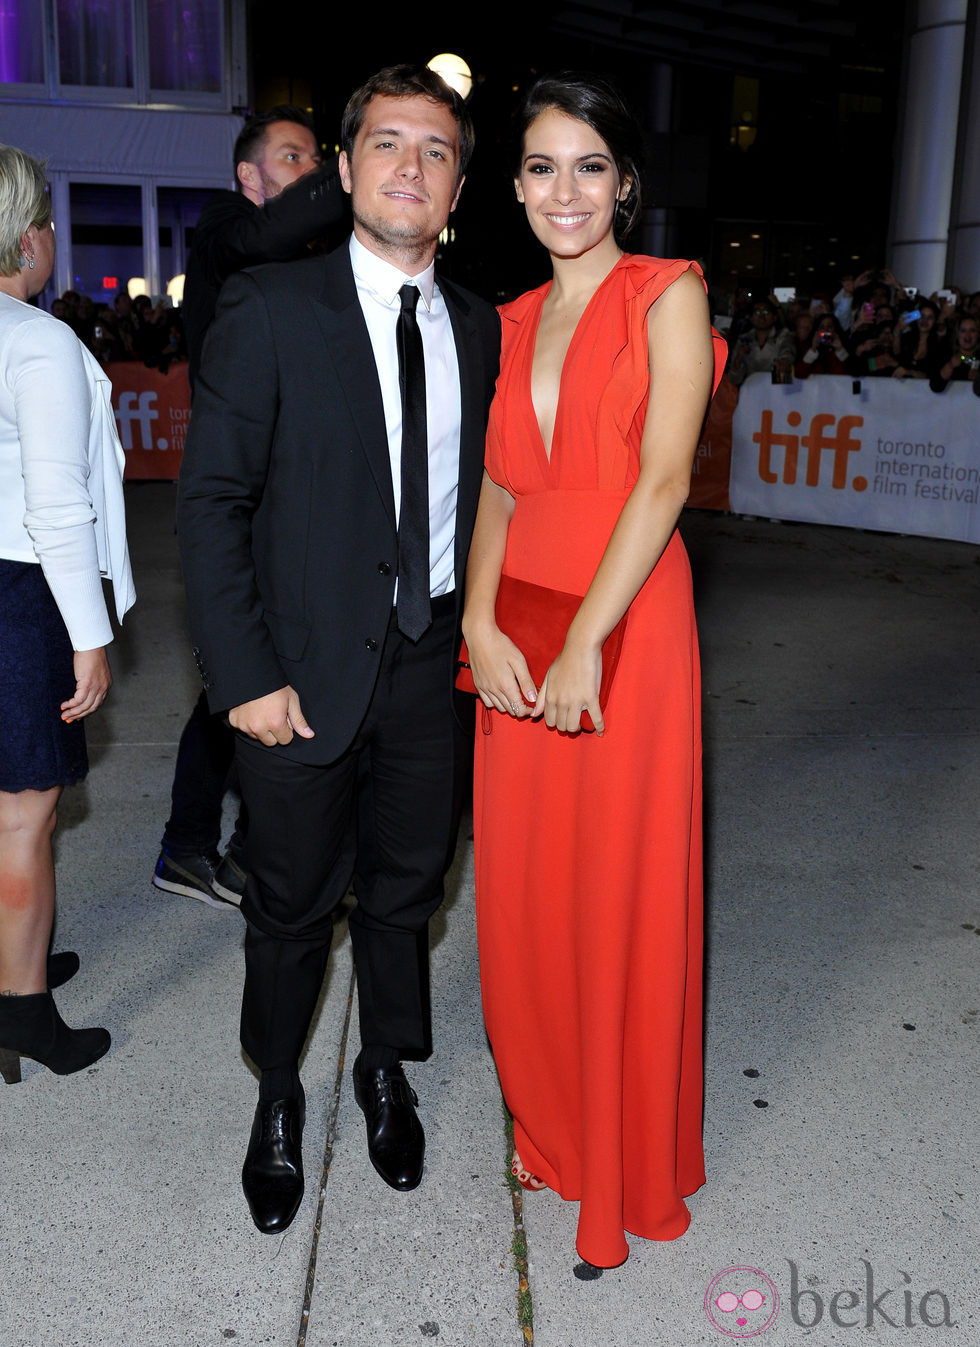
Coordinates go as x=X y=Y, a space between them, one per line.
x=842 y=703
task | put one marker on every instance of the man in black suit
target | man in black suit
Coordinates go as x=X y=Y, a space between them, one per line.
x=287 y=199
x=328 y=494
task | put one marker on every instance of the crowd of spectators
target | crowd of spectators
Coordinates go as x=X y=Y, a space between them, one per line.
x=873 y=327
x=127 y=329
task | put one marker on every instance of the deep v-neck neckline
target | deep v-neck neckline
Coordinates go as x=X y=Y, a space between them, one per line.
x=547 y=452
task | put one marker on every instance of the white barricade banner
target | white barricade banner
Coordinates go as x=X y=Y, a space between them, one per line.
x=892 y=456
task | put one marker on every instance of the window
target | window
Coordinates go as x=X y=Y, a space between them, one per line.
x=21 y=42
x=185 y=45
x=106 y=237
x=118 y=51
x=95 y=43
x=178 y=210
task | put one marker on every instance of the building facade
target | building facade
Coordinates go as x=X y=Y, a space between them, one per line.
x=135 y=105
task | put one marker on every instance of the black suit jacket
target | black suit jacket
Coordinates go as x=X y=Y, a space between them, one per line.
x=286 y=515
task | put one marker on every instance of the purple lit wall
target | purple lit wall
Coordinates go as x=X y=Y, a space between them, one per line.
x=21 y=50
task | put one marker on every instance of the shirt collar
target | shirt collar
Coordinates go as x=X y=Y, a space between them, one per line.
x=384 y=279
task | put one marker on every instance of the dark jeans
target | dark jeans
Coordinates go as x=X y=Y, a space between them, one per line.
x=204 y=758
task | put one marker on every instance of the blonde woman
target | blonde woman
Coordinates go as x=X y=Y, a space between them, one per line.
x=62 y=528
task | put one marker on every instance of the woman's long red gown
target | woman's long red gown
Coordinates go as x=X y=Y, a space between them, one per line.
x=588 y=850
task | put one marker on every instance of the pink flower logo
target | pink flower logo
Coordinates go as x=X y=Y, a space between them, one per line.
x=741 y=1302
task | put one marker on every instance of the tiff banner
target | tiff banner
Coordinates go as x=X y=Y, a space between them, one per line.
x=886 y=454
x=153 y=411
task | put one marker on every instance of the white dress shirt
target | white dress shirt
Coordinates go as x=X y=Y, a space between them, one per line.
x=378 y=283
x=61 y=468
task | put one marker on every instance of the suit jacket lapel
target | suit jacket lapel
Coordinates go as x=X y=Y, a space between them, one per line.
x=341 y=320
x=472 y=430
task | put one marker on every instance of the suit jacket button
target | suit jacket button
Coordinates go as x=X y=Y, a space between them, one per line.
x=384 y=567
x=371 y=643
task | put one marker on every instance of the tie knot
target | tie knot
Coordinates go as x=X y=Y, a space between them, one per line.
x=409 y=295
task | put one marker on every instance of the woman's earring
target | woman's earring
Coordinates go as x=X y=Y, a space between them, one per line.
x=31 y=262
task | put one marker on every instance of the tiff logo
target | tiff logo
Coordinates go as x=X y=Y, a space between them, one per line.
x=138 y=407
x=818 y=441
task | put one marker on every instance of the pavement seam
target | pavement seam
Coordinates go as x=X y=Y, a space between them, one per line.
x=519 y=1249
x=518 y=1244
x=325 y=1170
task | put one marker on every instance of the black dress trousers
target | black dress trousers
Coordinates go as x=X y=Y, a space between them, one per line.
x=385 y=814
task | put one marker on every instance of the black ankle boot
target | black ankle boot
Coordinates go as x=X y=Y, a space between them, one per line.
x=61 y=968
x=30 y=1026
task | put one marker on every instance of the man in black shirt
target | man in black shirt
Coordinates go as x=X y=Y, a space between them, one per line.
x=263 y=222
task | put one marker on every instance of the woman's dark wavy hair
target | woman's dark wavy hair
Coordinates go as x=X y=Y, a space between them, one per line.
x=592 y=100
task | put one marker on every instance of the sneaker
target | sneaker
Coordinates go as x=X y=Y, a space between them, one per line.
x=191 y=875
x=229 y=878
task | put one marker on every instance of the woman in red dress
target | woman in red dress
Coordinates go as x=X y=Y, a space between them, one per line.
x=588 y=845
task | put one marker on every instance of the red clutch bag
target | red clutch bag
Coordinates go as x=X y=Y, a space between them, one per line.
x=537 y=620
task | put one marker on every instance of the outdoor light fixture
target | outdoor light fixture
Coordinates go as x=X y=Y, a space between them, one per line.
x=455 y=71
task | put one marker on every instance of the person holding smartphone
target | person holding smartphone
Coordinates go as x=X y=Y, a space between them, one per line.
x=826 y=351
x=916 y=343
x=964 y=362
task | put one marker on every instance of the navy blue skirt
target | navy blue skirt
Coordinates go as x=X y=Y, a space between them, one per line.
x=37 y=749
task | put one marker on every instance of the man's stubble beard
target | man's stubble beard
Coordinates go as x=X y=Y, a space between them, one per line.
x=414 y=242
x=411 y=240
x=270 y=188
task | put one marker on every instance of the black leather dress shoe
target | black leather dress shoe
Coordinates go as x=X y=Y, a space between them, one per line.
x=272 y=1175
x=396 y=1141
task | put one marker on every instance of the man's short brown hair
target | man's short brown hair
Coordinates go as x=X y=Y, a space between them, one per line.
x=407 y=81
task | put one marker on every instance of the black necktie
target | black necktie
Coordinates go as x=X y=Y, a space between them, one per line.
x=414 y=610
